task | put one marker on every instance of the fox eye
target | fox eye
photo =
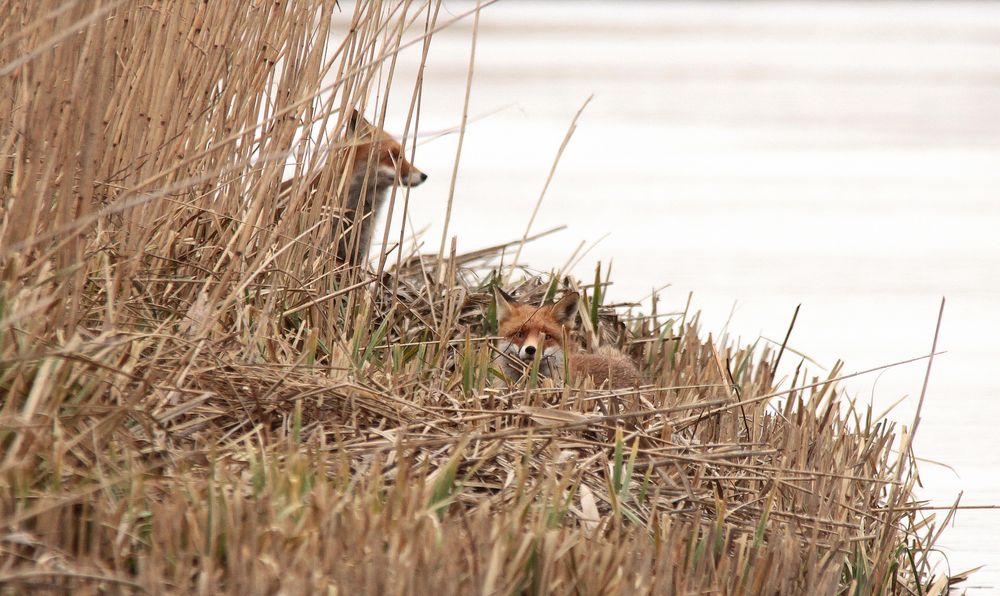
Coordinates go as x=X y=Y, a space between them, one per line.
x=519 y=333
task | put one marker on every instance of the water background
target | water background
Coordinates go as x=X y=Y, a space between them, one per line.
x=840 y=155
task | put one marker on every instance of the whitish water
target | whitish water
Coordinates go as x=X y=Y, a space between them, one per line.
x=845 y=156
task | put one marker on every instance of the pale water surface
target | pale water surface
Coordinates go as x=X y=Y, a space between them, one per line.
x=845 y=156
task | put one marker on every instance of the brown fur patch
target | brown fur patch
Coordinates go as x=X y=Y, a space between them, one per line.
x=606 y=367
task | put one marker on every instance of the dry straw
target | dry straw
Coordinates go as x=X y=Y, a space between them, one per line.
x=196 y=398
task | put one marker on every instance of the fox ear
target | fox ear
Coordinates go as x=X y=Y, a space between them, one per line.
x=356 y=123
x=505 y=303
x=564 y=311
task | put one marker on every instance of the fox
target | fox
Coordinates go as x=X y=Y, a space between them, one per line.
x=375 y=162
x=529 y=333
x=376 y=165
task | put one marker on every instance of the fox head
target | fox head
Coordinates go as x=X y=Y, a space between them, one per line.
x=531 y=332
x=379 y=157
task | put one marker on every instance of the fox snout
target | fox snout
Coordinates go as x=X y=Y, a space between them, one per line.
x=401 y=173
x=412 y=178
x=535 y=346
x=528 y=352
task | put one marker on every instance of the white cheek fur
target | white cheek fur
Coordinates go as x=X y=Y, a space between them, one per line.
x=553 y=352
x=509 y=361
x=386 y=174
x=507 y=347
x=552 y=362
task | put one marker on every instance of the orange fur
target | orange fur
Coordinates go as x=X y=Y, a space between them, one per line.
x=531 y=332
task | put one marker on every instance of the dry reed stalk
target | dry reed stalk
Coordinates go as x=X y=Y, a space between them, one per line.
x=197 y=399
x=548 y=180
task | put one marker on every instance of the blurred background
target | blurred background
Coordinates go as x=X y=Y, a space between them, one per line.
x=844 y=156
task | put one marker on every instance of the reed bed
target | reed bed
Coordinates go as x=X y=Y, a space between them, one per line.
x=197 y=398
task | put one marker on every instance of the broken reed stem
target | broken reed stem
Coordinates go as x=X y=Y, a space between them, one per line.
x=784 y=342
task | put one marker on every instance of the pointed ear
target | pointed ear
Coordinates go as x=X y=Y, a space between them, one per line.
x=564 y=311
x=505 y=303
x=356 y=123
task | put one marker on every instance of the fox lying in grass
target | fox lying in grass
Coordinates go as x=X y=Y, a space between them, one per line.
x=531 y=333
x=375 y=163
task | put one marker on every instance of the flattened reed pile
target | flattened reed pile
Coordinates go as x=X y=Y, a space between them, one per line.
x=196 y=398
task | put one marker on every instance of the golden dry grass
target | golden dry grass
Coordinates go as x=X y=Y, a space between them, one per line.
x=197 y=399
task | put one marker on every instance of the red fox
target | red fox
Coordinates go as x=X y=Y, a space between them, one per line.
x=531 y=332
x=375 y=163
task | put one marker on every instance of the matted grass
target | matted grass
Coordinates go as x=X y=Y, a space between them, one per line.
x=198 y=399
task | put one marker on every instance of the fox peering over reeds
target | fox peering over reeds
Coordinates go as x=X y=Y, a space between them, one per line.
x=531 y=333
x=374 y=163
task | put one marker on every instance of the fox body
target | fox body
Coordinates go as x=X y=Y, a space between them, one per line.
x=543 y=333
x=374 y=163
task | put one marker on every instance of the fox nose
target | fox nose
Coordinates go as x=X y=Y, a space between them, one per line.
x=414 y=178
x=529 y=351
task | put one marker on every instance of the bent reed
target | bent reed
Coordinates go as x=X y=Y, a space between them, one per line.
x=198 y=397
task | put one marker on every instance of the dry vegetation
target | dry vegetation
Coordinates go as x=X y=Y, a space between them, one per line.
x=196 y=398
